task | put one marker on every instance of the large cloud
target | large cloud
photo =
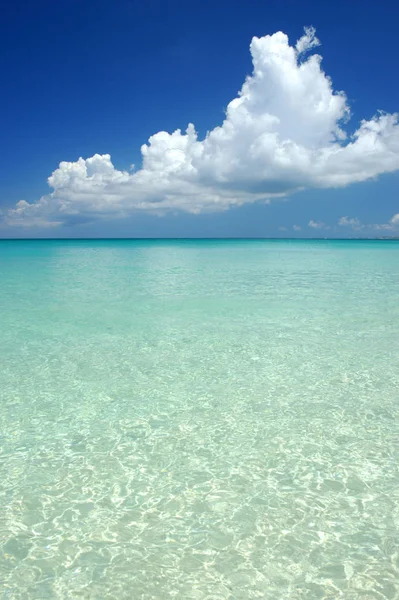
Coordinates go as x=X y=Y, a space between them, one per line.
x=284 y=132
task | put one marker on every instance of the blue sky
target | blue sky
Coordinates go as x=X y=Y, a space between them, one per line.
x=97 y=78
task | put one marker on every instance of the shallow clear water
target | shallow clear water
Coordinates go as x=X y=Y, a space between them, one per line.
x=199 y=420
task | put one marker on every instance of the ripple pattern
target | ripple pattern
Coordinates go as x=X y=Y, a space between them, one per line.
x=199 y=420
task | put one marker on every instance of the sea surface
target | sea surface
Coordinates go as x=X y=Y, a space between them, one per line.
x=200 y=420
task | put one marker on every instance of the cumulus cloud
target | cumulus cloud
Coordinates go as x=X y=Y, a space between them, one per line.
x=316 y=224
x=284 y=132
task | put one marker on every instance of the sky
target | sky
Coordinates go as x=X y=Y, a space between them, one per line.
x=271 y=118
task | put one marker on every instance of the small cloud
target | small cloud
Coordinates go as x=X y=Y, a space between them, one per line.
x=316 y=224
x=350 y=222
x=392 y=223
x=282 y=229
x=296 y=228
x=356 y=224
x=307 y=41
x=382 y=226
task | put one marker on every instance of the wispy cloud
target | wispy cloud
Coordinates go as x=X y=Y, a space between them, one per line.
x=355 y=224
x=350 y=222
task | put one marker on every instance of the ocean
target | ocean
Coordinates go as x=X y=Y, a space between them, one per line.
x=199 y=420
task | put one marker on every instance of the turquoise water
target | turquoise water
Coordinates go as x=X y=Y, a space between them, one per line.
x=199 y=420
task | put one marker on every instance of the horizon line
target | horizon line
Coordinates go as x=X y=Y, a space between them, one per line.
x=238 y=238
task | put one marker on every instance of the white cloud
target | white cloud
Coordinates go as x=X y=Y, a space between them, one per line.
x=285 y=131
x=381 y=226
x=307 y=41
x=296 y=228
x=30 y=215
x=356 y=224
x=350 y=222
x=316 y=224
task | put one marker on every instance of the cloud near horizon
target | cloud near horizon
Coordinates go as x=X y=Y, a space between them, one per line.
x=355 y=224
x=284 y=132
